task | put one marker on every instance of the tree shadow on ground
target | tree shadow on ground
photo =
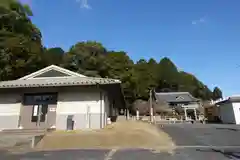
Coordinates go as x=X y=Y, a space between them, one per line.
x=83 y=154
x=7 y=155
x=230 y=129
x=227 y=154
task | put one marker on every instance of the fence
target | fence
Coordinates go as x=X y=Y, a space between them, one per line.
x=164 y=119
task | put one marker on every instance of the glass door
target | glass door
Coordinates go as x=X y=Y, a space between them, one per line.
x=39 y=113
x=36 y=114
x=44 y=111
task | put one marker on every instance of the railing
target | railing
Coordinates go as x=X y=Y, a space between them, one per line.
x=165 y=119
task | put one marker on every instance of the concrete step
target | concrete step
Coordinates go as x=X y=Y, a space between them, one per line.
x=11 y=140
x=26 y=131
x=20 y=138
x=23 y=131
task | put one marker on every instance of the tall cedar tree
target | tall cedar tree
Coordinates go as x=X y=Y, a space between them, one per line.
x=217 y=93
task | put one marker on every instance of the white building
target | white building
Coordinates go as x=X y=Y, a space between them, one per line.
x=55 y=97
x=229 y=110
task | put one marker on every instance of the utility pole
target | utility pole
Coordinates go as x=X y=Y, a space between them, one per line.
x=150 y=106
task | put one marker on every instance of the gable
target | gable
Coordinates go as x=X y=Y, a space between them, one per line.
x=52 y=72
x=179 y=98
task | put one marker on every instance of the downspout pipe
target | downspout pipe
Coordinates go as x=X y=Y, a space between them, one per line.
x=101 y=110
x=101 y=106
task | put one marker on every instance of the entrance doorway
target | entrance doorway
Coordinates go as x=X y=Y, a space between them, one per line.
x=191 y=113
x=38 y=111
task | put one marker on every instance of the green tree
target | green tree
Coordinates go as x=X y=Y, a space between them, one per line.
x=217 y=93
x=86 y=58
x=146 y=77
x=53 y=56
x=168 y=75
x=153 y=72
x=120 y=66
x=20 y=41
x=189 y=83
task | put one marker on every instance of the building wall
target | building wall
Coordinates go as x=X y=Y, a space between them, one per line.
x=226 y=113
x=192 y=105
x=211 y=113
x=86 y=107
x=236 y=109
x=10 y=105
x=85 y=104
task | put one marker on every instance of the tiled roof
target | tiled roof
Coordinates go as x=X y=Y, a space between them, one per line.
x=234 y=98
x=175 y=97
x=51 y=82
x=229 y=99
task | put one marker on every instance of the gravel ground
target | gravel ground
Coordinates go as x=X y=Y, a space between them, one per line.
x=195 y=142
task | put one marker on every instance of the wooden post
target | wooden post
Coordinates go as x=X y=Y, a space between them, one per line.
x=195 y=114
x=137 y=114
x=185 y=113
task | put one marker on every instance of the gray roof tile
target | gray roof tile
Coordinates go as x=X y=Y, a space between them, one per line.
x=175 y=97
x=229 y=99
x=50 y=82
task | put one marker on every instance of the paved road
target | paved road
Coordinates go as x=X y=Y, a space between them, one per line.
x=204 y=135
x=128 y=154
x=195 y=142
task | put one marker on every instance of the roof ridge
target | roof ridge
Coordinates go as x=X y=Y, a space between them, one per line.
x=172 y=92
x=74 y=81
x=51 y=67
x=63 y=78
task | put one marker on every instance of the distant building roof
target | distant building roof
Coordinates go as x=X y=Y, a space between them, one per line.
x=175 y=97
x=229 y=99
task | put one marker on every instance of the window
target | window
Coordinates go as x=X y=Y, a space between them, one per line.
x=33 y=99
x=37 y=98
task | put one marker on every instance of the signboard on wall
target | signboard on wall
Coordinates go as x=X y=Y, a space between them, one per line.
x=52 y=109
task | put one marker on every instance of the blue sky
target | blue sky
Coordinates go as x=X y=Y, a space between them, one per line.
x=199 y=36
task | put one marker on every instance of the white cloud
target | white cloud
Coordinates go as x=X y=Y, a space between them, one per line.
x=84 y=4
x=201 y=20
x=194 y=22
